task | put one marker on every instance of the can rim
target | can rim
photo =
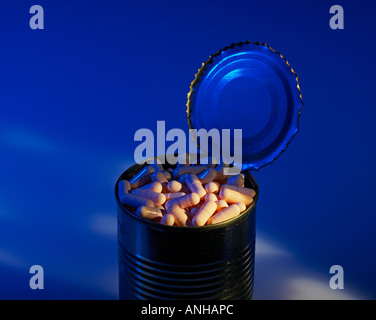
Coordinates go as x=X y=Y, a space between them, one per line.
x=219 y=225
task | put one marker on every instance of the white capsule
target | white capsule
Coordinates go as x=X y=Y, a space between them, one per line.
x=211 y=196
x=174 y=195
x=157 y=198
x=194 y=184
x=232 y=196
x=188 y=200
x=194 y=210
x=167 y=175
x=237 y=180
x=180 y=216
x=153 y=186
x=221 y=204
x=123 y=187
x=247 y=191
x=226 y=214
x=241 y=206
x=156 y=164
x=159 y=177
x=182 y=178
x=205 y=212
x=168 y=220
x=174 y=186
x=223 y=172
x=149 y=212
x=212 y=187
x=189 y=169
x=207 y=176
x=142 y=177
x=135 y=201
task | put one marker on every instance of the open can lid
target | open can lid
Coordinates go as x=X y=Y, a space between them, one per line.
x=252 y=87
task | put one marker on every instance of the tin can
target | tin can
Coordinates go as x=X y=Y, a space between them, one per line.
x=162 y=262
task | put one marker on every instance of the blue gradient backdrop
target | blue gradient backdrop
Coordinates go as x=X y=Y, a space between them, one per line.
x=73 y=95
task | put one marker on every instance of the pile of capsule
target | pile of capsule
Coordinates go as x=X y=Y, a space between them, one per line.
x=190 y=195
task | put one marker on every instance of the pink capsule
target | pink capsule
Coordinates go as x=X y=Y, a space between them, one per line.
x=243 y=190
x=241 y=206
x=232 y=196
x=135 y=201
x=153 y=186
x=180 y=216
x=157 y=164
x=211 y=196
x=203 y=215
x=194 y=210
x=173 y=195
x=189 y=200
x=123 y=187
x=167 y=175
x=189 y=169
x=174 y=186
x=142 y=177
x=194 y=184
x=159 y=177
x=221 y=204
x=207 y=176
x=168 y=220
x=237 y=180
x=226 y=214
x=157 y=198
x=149 y=212
x=212 y=187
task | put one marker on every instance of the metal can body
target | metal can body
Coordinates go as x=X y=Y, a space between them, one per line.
x=161 y=262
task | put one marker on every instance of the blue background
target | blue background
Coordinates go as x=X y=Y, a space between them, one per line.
x=73 y=95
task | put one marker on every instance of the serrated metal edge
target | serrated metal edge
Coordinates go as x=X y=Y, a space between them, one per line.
x=210 y=60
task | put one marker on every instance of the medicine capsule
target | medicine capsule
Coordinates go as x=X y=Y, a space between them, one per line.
x=135 y=201
x=189 y=200
x=232 y=196
x=194 y=210
x=194 y=184
x=203 y=215
x=182 y=178
x=174 y=195
x=168 y=220
x=153 y=186
x=212 y=187
x=226 y=214
x=211 y=196
x=157 y=198
x=247 y=191
x=159 y=177
x=174 y=186
x=222 y=172
x=221 y=204
x=142 y=177
x=123 y=187
x=167 y=175
x=207 y=176
x=156 y=164
x=149 y=212
x=241 y=206
x=189 y=169
x=237 y=180
x=181 y=218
